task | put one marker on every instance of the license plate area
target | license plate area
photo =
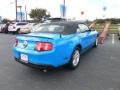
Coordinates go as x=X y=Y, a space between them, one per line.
x=24 y=58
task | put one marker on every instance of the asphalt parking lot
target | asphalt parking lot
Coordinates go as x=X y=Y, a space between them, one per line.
x=99 y=70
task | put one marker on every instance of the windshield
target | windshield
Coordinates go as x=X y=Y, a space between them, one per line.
x=50 y=29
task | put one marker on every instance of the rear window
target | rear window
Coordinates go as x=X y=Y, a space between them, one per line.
x=21 y=24
x=12 y=24
x=50 y=29
x=57 y=28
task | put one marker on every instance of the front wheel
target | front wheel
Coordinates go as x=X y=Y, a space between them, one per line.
x=75 y=59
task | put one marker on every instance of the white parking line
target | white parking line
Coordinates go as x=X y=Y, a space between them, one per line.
x=113 y=38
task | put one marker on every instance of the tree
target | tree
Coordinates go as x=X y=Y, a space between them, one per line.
x=38 y=14
x=5 y=20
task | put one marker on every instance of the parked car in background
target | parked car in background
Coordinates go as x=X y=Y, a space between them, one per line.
x=55 y=44
x=4 y=28
x=1 y=28
x=34 y=28
x=27 y=28
x=15 y=27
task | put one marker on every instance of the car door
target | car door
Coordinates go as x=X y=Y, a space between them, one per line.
x=94 y=35
x=84 y=36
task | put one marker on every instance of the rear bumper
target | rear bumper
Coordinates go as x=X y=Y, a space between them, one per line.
x=24 y=31
x=12 y=30
x=51 y=58
x=35 y=65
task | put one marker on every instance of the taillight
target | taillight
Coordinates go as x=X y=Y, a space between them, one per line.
x=16 y=43
x=14 y=27
x=43 y=46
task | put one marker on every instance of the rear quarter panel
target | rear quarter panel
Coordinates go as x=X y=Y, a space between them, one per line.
x=65 y=46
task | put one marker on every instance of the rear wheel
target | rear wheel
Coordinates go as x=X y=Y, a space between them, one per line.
x=75 y=59
x=6 y=30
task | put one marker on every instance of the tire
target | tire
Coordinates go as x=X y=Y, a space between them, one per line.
x=6 y=31
x=96 y=43
x=119 y=37
x=14 y=32
x=75 y=59
x=18 y=31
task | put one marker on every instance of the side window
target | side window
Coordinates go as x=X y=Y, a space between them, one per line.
x=78 y=30
x=83 y=27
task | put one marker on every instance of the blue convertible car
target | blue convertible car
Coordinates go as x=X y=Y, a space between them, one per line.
x=55 y=44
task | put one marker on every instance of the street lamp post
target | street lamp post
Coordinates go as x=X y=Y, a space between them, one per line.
x=64 y=8
x=64 y=2
x=21 y=12
x=16 y=9
x=26 y=12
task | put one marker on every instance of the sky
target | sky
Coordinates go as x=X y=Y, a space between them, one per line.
x=92 y=8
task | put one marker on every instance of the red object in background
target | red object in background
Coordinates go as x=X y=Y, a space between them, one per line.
x=82 y=12
x=105 y=32
x=16 y=43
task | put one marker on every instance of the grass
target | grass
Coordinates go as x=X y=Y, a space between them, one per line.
x=113 y=28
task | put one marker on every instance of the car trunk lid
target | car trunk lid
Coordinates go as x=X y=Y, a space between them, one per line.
x=29 y=41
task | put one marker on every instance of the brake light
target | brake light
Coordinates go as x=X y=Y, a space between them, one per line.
x=16 y=43
x=43 y=46
x=14 y=27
